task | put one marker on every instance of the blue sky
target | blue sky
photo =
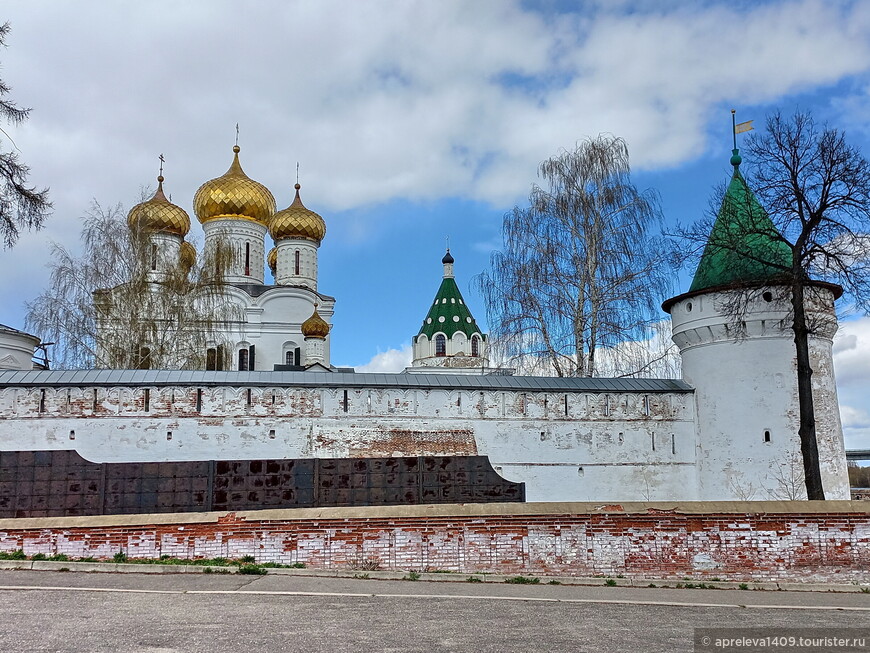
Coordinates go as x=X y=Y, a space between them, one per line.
x=413 y=121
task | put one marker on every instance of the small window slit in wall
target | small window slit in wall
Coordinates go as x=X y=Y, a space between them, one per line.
x=652 y=437
x=72 y=435
x=345 y=402
x=169 y=435
x=646 y=405
x=620 y=437
x=673 y=444
x=607 y=405
x=248 y=398
x=524 y=403
x=767 y=436
x=42 y=401
x=271 y=434
x=273 y=398
x=94 y=406
x=147 y=399
x=580 y=471
x=546 y=403
x=199 y=400
x=68 y=401
x=566 y=405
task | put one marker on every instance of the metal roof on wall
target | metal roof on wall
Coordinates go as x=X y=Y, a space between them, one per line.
x=51 y=378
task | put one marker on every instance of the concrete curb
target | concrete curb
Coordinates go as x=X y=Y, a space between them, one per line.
x=448 y=577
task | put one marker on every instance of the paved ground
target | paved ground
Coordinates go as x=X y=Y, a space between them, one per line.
x=71 y=611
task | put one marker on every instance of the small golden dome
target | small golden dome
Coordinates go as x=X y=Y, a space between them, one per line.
x=315 y=326
x=159 y=214
x=234 y=195
x=272 y=259
x=297 y=222
x=187 y=255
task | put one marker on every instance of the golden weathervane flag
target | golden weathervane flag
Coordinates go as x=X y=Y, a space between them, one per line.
x=741 y=127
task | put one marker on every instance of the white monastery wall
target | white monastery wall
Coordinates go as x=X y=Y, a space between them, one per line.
x=565 y=446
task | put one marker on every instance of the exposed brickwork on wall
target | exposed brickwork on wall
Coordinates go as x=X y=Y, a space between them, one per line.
x=651 y=543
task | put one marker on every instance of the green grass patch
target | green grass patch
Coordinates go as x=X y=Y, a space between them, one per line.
x=17 y=554
x=610 y=582
x=252 y=570
x=473 y=579
x=412 y=575
x=522 y=580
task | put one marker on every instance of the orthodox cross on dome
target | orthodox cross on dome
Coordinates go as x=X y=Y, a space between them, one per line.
x=237 y=134
x=162 y=161
x=297 y=172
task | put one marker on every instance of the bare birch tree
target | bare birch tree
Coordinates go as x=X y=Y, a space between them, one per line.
x=581 y=269
x=815 y=188
x=21 y=206
x=104 y=310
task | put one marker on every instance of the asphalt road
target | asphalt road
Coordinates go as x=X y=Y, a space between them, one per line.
x=71 y=611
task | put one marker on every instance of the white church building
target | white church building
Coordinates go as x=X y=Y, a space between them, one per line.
x=728 y=430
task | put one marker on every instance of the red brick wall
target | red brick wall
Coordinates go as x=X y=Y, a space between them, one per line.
x=640 y=541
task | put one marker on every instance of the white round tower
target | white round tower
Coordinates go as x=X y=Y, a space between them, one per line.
x=733 y=329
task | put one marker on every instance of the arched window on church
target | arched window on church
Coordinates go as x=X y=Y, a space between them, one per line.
x=475 y=345
x=153 y=257
x=289 y=358
x=243 y=360
x=440 y=345
x=247 y=259
x=297 y=266
x=214 y=358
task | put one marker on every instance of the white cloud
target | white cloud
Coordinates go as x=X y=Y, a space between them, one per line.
x=854 y=417
x=852 y=353
x=852 y=370
x=386 y=362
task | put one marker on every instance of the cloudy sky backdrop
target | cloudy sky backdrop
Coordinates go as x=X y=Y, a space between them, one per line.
x=413 y=121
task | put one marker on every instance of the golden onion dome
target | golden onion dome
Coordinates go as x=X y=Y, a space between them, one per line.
x=315 y=326
x=187 y=255
x=234 y=195
x=272 y=260
x=159 y=214
x=297 y=222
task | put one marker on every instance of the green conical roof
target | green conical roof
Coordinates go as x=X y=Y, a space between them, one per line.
x=744 y=245
x=449 y=313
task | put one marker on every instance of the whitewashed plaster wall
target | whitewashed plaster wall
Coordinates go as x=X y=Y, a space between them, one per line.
x=564 y=446
x=16 y=350
x=273 y=321
x=238 y=232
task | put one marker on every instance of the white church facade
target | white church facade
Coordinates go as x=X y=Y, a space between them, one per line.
x=728 y=430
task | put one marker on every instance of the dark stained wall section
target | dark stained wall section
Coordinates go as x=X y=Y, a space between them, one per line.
x=62 y=483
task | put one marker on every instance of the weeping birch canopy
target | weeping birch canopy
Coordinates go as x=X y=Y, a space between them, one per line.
x=578 y=281
x=104 y=310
